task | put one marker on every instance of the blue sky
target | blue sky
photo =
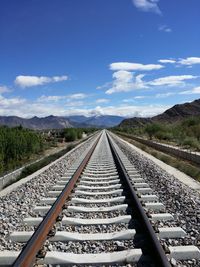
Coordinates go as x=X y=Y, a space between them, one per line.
x=117 y=57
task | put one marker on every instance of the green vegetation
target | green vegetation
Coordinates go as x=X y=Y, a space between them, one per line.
x=72 y=134
x=40 y=164
x=185 y=133
x=17 y=144
x=181 y=165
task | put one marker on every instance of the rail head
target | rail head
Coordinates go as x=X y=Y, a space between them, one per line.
x=154 y=245
x=28 y=254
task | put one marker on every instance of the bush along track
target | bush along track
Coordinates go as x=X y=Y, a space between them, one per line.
x=43 y=162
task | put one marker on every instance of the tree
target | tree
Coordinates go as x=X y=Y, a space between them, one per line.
x=152 y=129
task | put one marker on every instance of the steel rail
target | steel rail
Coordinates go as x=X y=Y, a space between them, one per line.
x=28 y=254
x=154 y=245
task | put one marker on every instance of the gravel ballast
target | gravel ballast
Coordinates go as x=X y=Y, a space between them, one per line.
x=18 y=204
x=180 y=200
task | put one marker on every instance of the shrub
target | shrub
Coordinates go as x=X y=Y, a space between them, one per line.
x=18 y=144
x=70 y=135
x=191 y=142
x=152 y=129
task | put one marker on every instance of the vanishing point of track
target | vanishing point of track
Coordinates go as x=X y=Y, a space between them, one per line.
x=102 y=191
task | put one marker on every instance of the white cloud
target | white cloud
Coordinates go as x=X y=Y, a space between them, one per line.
x=4 y=89
x=75 y=104
x=28 y=81
x=189 y=61
x=126 y=82
x=164 y=95
x=102 y=100
x=128 y=100
x=56 y=98
x=166 y=61
x=147 y=5
x=24 y=108
x=123 y=110
x=172 y=80
x=132 y=111
x=134 y=66
x=195 y=90
x=164 y=28
x=11 y=102
x=140 y=97
x=104 y=86
x=77 y=96
x=53 y=98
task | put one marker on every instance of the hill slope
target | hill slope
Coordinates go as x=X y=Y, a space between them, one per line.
x=180 y=111
x=176 y=113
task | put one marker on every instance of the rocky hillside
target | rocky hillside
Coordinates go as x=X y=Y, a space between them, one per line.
x=181 y=111
x=175 y=113
x=50 y=122
x=134 y=122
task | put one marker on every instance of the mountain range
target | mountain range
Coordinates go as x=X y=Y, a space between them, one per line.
x=55 y=122
x=97 y=121
x=176 y=113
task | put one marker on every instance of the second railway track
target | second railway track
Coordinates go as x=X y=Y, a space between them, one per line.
x=101 y=213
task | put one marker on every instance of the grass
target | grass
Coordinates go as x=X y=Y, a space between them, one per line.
x=181 y=165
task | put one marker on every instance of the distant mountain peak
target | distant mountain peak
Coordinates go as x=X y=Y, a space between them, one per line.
x=56 y=122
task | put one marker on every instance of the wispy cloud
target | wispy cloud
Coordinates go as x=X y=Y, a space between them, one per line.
x=124 y=81
x=129 y=100
x=189 y=61
x=15 y=102
x=167 y=61
x=147 y=6
x=134 y=66
x=50 y=98
x=4 y=89
x=102 y=100
x=164 y=95
x=123 y=110
x=140 y=97
x=164 y=28
x=57 y=98
x=105 y=85
x=26 y=108
x=77 y=96
x=172 y=80
x=74 y=104
x=29 y=81
x=195 y=90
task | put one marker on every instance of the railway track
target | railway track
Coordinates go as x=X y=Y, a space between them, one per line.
x=101 y=213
